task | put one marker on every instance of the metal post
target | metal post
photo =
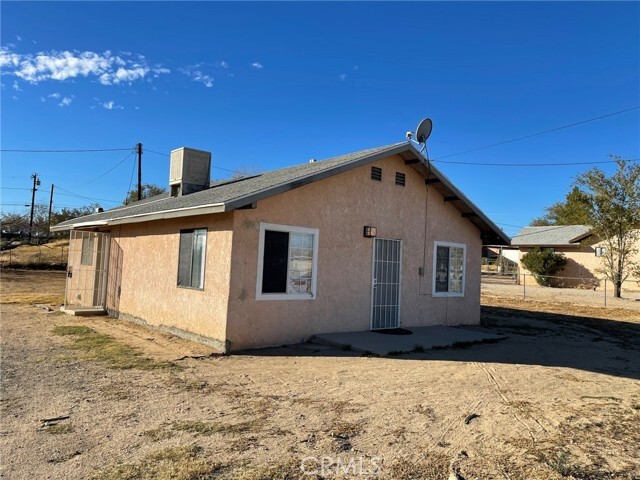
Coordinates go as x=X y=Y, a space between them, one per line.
x=139 y=148
x=49 y=218
x=605 y=292
x=524 y=286
x=36 y=182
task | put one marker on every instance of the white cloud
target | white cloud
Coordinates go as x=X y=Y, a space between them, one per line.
x=64 y=65
x=14 y=97
x=198 y=75
x=111 y=105
x=42 y=99
x=356 y=67
x=223 y=64
x=16 y=87
x=65 y=102
x=343 y=76
x=19 y=38
x=257 y=65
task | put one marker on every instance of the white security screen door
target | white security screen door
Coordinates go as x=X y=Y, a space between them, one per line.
x=385 y=297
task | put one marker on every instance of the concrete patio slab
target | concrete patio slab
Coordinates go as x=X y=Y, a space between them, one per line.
x=83 y=311
x=420 y=338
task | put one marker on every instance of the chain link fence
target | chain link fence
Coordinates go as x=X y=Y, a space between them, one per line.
x=554 y=289
x=35 y=256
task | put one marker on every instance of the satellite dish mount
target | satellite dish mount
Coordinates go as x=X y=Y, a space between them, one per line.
x=422 y=134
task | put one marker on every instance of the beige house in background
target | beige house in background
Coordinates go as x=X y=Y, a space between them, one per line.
x=584 y=254
x=376 y=239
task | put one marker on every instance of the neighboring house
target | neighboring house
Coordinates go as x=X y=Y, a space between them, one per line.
x=375 y=239
x=584 y=252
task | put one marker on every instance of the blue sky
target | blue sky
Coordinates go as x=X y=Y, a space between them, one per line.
x=266 y=85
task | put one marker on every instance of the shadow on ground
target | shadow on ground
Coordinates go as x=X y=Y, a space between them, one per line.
x=545 y=339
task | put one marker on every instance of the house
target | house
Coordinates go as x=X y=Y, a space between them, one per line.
x=583 y=251
x=375 y=239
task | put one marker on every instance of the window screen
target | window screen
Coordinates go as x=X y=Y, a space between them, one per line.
x=87 y=249
x=191 y=258
x=449 y=269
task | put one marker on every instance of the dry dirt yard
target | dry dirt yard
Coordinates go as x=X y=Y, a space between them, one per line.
x=560 y=398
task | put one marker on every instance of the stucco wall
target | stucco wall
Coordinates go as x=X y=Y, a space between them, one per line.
x=147 y=254
x=340 y=207
x=582 y=266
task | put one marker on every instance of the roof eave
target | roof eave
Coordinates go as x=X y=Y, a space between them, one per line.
x=145 y=217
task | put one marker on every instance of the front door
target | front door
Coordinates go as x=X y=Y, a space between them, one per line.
x=385 y=296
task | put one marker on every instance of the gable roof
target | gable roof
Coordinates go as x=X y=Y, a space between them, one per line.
x=551 y=236
x=233 y=194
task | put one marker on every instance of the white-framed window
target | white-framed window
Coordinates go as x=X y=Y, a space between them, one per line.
x=601 y=251
x=449 y=269
x=287 y=262
x=191 y=257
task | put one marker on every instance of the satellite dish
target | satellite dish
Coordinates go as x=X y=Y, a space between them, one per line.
x=424 y=130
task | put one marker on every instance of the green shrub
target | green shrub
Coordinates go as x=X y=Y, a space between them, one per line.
x=542 y=263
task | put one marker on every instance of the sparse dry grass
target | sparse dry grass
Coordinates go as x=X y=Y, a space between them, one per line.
x=28 y=287
x=173 y=463
x=49 y=255
x=60 y=428
x=98 y=347
x=197 y=427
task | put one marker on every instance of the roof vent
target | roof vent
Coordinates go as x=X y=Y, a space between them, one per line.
x=190 y=171
x=313 y=160
x=99 y=209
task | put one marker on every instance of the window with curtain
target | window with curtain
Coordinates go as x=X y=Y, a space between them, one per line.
x=287 y=266
x=449 y=269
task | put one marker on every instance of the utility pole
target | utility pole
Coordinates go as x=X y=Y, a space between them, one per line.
x=49 y=218
x=139 y=148
x=36 y=182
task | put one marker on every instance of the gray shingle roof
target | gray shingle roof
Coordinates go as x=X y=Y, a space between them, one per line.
x=552 y=235
x=233 y=194
x=225 y=192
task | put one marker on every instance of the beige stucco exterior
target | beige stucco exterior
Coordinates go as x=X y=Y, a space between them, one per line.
x=226 y=314
x=582 y=268
x=147 y=256
x=339 y=207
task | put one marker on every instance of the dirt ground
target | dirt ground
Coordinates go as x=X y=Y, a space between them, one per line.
x=559 y=398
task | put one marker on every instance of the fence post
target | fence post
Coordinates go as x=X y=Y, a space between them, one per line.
x=524 y=286
x=10 y=255
x=605 y=292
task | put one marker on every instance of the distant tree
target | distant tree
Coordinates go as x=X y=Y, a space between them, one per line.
x=148 y=190
x=543 y=263
x=19 y=221
x=614 y=217
x=575 y=210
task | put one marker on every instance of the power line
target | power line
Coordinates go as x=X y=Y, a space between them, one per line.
x=108 y=171
x=538 y=133
x=559 y=164
x=67 y=151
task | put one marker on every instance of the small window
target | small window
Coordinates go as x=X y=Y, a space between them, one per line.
x=601 y=251
x=400 y=179
x=287 y=262
x=376 y=174
x=87 y=249
x=191 y=258
x=449 y=269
